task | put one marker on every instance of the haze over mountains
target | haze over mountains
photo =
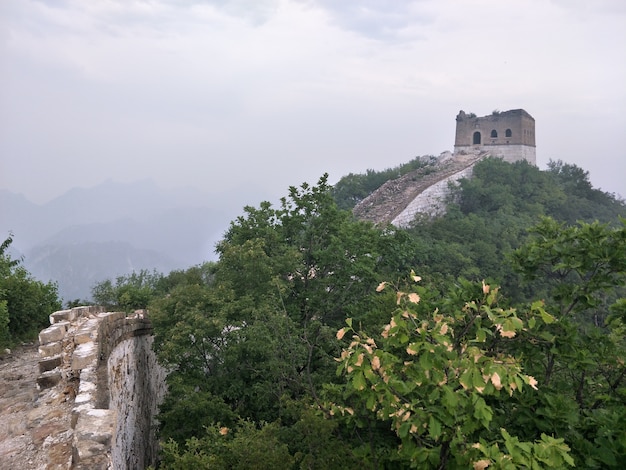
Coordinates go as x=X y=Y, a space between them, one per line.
x=87 y=235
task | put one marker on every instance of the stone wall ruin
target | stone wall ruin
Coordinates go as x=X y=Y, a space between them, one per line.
x=103 y=362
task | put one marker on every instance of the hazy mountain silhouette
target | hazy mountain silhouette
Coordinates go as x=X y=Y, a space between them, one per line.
x=88 y=235
x=78 y=267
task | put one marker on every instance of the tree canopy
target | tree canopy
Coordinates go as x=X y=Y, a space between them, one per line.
x=492 y=337
x=25 y=303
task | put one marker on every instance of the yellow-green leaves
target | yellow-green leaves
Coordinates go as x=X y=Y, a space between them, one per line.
x=509 y=327
x=546 y=452
x=436 y=370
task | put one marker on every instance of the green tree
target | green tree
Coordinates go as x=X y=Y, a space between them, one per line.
x=129 y=292
x=576 y=265
x=438 y=373
x=581 y=272
x=489 y=216
x=5 y=335
x=25 y=303
x=242 y=448
x=317 y=253
x=258 y=342
x=583 y=201
x=251 y=343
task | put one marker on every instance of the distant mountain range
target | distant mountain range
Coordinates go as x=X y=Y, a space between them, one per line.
x=88 y=235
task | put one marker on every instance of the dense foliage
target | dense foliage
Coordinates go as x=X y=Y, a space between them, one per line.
x=492 y=215
x=256 y=344
x=25 y=303
x=319 y=341
x=443 y=372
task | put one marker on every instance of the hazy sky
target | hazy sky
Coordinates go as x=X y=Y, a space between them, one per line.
x=258 y=95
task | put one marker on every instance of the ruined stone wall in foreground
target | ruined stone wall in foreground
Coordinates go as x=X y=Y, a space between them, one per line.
x=104 y=362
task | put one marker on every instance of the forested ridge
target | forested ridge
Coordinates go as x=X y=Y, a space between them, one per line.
x=491 y=337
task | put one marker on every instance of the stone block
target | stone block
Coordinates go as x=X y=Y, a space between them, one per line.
x=94 y=428
x=87 y=332
x=86 y=310
x=61 y=315
x=98 y=461
x=50 y=349
x=84 y=398
x=88 y=374
x=81 y=311
x=38 y=414
x=111 y=317
x=87 y=405
x=84 y=355
x=86 y=449
x=49 y=378
x=50 y=363
x=87 y=392
x=53 y=333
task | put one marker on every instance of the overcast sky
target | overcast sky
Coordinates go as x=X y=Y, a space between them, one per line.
x=258 y=95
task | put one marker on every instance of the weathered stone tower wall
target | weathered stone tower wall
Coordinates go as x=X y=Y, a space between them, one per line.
x=509 y=135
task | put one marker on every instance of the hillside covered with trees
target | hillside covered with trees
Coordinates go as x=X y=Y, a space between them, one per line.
x=25 y=302
x=492 y=337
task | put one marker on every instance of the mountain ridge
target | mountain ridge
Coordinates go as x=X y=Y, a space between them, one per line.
x=163 y=229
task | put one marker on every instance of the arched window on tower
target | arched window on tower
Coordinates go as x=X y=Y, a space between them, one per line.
x=508 y=133
x=476 y=138
x=494 y=134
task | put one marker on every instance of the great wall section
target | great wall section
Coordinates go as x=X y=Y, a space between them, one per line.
x=421 y=192
x=86 y=399
x=509 y=135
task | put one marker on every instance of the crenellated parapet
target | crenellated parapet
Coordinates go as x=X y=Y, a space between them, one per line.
x=112 y=417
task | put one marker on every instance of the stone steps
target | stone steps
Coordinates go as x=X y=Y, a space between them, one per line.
x=386 y=203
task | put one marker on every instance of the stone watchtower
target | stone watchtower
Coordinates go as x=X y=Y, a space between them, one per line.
x=508 y=134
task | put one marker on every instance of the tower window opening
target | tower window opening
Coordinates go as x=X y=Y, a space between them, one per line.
x=476 y=138
x=508 y=133
x=494 y=134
